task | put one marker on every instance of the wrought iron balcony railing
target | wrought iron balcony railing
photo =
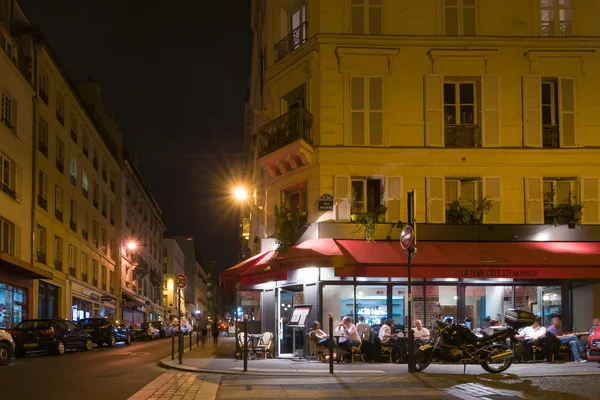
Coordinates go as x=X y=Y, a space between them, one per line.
x=84 y=234
x=462 y=136
x=8 y=190
x=286 y=129
x=72 y=271
x=60 y=166
x=550 y=136
x=73 y=225
x=292 y=41
x=59 y=215
x=84 y=277
x=74 y=136
x=41 y=257
x=74 y=181
x=42 y=202
x=60 y=118
x=43 y=148
x=57 y=265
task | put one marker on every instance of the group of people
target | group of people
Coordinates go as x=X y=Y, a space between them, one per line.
x=549 y=340
x=351 y=335
x=203 y=325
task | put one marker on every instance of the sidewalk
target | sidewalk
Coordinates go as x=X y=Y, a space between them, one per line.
x=221 y=361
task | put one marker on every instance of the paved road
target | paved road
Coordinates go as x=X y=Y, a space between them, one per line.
x=104 y=373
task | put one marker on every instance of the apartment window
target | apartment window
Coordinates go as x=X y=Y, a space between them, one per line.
x=84 y=183
x=43 y=137
x=72 y=260
x=7 y=237
x=84 y=223
x=111 y=280
x=85 y=144
x=461 y=114
x=60 y=155
x=95 y=272
x=104 y=241
x=112 y=214
x=559 y=190
x=104 y=205
x=366 y=17
x=95 y=233
x=74 y=128
x=95 y=195
x=44 y=87
x=556 y=18
x=73 y=215
x=40 y=233
x=366 y=111
x=58 y=203
x=74 y=171
x=367 y=194
x=461 y=191
x=10 y=177
x=103 y=277
x=104 y=172
x=95 y=158
x=60 y=110
x=42 y=190
x=84 y=266
x=9 y=110
x=460 y=17
x=58 y=252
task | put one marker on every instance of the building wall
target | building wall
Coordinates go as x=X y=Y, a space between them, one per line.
x=174 y=264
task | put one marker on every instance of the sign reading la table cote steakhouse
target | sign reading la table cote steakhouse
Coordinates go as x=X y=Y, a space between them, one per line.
x=326 y=202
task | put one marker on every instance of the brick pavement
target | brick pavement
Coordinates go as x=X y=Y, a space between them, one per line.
x=178 y=385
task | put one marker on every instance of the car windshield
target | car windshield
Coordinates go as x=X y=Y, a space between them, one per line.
x=34 y=324
x=93 y=322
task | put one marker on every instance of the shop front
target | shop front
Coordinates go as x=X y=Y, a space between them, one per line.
x=88 y=303
x=458 y=281
x=133 y=312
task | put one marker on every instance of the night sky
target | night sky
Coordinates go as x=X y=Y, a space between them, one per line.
x=176 y=74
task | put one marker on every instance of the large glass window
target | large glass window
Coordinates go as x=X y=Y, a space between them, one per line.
x=371 y=303
x=338 y=300
x=486 y=302
x=13 y=305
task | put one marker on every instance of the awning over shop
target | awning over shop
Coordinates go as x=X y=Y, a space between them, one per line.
x=519 y=260
x=20 y=267
x=231 y=275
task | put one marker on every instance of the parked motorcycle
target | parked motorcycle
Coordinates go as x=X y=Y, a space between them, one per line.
x=456 y=344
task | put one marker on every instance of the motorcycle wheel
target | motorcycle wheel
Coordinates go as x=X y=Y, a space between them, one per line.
x=497 y=367
x=423 y=359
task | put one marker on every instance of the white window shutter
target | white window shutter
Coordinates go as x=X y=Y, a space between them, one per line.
x=490 y=116
x=341 y=190
x=17 y=242
x=19 y=183
x=357 y=111
x=393 y=192
x=567 y=107
x=434 y=107
x=436 y=203
x=375 y=111
x=589 y=199
x=532 y=111
x=534 y=201
x=492 y=188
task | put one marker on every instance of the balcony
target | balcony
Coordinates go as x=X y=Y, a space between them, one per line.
x=57 y=264
x=286 y=142
x=73 y=181
x=95 y=203
x=95 y=163
x=74 y=136
x=105 y=176
x=41 y=257
x=59 y=215
x=84 y=234
x=112 y=221
x=72 y=271
x=6 y=189
x=550 y=138
x=42 y=202
x=462 y=136
x=85 y=151
x=85 y=192
x=60 y=118
x=43 y=148
x=44 y=96
x=104 y=214
x=84 y=277
x=155 y=277
x=291 y=42
x=60 y=166
x=112 y=186
x=73 y=225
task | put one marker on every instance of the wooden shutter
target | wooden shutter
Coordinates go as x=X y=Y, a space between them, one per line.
x=589 y=198
x=492 y=188
x=19 y=183
x=534 y=201
x=375 y=111
x=357 y=17
x=341 y=190
x=567 y=107
x=17 y=242
x=357 y=111
x=393 y=192
x=532 y=111
x=436 y=204
x=490 y=115
x=434 y=121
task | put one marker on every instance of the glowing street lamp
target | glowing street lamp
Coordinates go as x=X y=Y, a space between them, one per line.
x=131 y=245
x=240 y=194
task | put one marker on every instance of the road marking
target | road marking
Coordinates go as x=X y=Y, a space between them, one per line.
x=136 y=353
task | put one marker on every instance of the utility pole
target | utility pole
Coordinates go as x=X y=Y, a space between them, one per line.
x=410 y=250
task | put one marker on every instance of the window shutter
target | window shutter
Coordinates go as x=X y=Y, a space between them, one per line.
x=589 y=199
x=19 y=183
x=393 y=191
x=534 y=201
x=375 y=17
x=492 y=188
x=434 y=124
x=17 y=242
x=436 y=203
x=375 y=111
x=357 y=111
x=532 y=113
x=357 y=17
x=490 y=111
x=341 y=190
x=566 y=97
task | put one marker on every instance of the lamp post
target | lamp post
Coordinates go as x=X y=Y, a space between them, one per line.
x=241 y=196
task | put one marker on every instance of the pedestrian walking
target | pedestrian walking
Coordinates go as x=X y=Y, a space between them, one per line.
x=203 y=327
x=215 y=333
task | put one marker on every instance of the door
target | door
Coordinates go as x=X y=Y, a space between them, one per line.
x=291 y=338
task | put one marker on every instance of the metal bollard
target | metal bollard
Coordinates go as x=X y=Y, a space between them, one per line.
x=172 y=346
x=197 y=338
x=331 y=343
x=245 y=342
x=180 y=347
x=191 y=334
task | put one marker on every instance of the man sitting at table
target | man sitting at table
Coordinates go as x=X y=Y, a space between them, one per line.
x=348 y=334
x=387 y=338
x=531 y=336
x=568 y=339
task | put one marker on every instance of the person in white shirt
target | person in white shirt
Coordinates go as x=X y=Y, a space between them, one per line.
x=387 y=338
x=363 y=327
x=531 y=336
x=419 y=331
x=349 y=335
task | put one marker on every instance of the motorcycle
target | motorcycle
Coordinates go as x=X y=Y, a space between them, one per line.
x=456 y=344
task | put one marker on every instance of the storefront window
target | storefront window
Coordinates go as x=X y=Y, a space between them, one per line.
x=338 y=300
x=551 y=303
x=13 y=305
x=486 y=302
x=81 y=309
x=444 y=300
x=400 y=306
x=371 y=303
x=47 y=300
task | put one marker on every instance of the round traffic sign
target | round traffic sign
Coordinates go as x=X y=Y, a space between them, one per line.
x=180 y=281
x=406 y=237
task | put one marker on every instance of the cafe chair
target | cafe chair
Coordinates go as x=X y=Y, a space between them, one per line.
x=357 y=351
x=240 y=338
x=265 y=344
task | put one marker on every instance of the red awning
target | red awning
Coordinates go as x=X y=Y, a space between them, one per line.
x=231 y=275
x=312 y=253
x=522 y=260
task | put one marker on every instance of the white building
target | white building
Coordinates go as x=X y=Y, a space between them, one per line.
x=173 y=264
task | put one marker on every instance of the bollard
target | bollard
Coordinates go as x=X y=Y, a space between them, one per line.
x=197 y=338
x=172 y=346
x=331 y=343
x=245 y=342
x=180 y=346
x=191 y=334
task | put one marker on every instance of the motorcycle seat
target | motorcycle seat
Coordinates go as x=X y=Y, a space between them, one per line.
x=491 y=331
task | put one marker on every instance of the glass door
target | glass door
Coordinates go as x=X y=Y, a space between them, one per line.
x=290 y=337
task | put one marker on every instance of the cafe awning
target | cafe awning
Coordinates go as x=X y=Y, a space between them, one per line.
x=17 y=266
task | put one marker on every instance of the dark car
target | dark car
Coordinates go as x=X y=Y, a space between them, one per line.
x=144 y=332
x=54 y=335
x=163 y=329
x=106 y=330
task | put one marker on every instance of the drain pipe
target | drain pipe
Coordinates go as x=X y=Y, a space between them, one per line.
x=34 y=100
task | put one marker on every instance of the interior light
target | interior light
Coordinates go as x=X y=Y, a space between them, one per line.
x=360 y=293
x=455 y=297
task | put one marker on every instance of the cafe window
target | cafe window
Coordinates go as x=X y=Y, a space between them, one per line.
x=13 y=305
x=295 y=196
x=371 y=304
x=367 y=194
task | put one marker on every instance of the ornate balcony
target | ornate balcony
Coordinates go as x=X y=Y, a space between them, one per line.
x=43 y=148
x=462 y=136
x=41 y=257
x=59 y=215
x=72 y=271
x=60 y=166
x=550 y=136
x=57 y=265
x=42 y=202
x=286 y=142
x=291 y=42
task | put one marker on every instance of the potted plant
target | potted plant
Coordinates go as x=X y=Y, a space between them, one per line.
x=354 y=210
x=454 y=212
x=568 y=212
x=366 y=222
x=481 y=207
x=380 y=212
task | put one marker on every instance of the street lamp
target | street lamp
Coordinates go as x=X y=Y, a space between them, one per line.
x=131 y=245
x=240 y=194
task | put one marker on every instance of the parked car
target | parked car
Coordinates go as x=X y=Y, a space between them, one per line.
x=54 y=335
x=163 y=328
x=7 y=347
x=593 y=353
x=185 y=328
x=106 y=330
x=144 y=332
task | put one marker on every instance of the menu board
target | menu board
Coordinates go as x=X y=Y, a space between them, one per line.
x=300 y=315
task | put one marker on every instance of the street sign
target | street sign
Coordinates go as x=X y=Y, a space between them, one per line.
x=406 y=237
x=180 y=281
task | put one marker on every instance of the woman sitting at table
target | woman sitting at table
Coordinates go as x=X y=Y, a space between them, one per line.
x=317 y=336
x=388 y=339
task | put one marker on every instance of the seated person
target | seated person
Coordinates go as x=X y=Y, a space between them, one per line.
x=494 y=322
x=530 y=336
x=363 y=327
x=420 y=333
x=568 y=339
x=348 y=334
x=387 y=338
x=317 y=336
